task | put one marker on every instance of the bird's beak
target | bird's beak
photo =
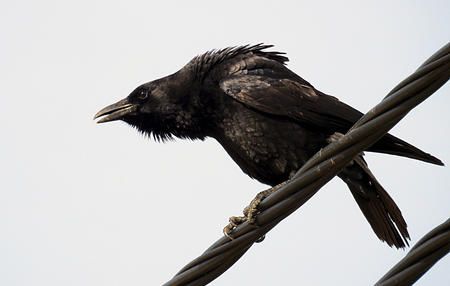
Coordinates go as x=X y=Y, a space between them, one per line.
x=116 y=111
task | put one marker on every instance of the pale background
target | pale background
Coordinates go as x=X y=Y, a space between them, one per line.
x=87 y=204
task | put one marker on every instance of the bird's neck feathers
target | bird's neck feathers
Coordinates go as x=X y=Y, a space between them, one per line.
x=177 y=112
x=182 y=126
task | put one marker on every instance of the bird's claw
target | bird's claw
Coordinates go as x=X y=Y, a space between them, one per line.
x=249 y=212
x=234 y=221
x=335 y=137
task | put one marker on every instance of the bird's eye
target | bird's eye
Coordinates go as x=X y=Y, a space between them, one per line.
x=143 y=94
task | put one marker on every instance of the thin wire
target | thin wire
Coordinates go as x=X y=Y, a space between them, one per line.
x=424 y=254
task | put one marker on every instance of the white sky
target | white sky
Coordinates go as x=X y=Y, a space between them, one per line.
x=87 y=204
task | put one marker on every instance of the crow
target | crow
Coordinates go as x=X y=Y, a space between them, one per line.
x=267 y=118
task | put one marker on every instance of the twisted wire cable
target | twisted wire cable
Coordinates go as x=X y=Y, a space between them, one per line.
x=425 y=253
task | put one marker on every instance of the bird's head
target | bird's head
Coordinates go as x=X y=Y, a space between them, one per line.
x=162 y=108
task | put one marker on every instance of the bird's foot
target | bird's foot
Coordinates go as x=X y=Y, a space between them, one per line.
x=335 y=137
x=359 y=159
x=250 y=212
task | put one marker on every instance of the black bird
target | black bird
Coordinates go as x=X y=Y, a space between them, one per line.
x=268 y=119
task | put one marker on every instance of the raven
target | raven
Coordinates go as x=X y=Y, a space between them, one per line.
x=268 y=119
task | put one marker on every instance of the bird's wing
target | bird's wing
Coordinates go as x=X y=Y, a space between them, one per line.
x=288 y=97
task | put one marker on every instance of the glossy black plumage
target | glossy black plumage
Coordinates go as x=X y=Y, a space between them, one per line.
x=268 y=119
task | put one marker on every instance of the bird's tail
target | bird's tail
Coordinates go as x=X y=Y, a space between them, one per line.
x=378 y=207
x=395 y=146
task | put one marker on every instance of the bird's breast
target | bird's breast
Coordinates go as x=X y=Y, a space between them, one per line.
x=266 y=147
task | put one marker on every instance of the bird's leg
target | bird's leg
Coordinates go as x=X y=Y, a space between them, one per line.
x=250 y=211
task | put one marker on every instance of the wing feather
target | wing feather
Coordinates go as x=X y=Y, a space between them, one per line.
x=290 y=98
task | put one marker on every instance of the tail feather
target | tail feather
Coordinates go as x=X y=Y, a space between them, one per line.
x=392 y=145
x=378 y=207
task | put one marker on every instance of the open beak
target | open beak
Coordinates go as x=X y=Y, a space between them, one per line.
x=115 y=111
